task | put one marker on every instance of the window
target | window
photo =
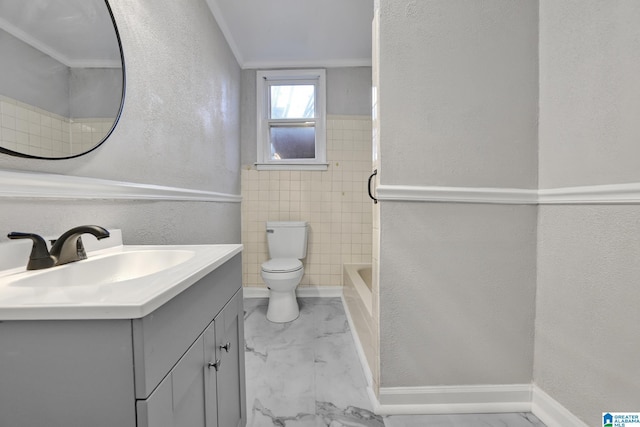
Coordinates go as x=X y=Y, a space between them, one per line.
x=291 y=119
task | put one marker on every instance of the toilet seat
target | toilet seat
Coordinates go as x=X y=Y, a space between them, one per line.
x=282 y=265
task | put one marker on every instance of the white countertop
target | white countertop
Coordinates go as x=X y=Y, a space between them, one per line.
x=128 y=298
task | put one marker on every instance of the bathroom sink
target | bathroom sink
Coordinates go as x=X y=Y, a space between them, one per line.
x=105 y=269
x=114 y=282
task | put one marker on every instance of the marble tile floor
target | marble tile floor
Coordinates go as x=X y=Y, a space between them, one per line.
x=307 y=373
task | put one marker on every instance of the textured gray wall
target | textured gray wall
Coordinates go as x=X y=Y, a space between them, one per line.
x=41 y=81
x=458 y=107
x=457 y=291
x=248 y=119
x=179 y=127
x=348 y=93
x=589 y=89
x=587 y=313
x=588 y=270
x=459 y=93
x=95 y=92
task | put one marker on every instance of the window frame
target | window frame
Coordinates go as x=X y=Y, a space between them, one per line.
x=264 y=80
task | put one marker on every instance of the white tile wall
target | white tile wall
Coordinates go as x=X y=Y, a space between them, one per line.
x=38 y=132
x=334 y=202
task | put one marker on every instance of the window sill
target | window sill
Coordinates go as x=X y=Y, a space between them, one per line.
x=292 y=166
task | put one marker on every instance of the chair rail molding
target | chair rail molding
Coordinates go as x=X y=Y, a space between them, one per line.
x=607 y=194
x=410 y=193
x=34 y=185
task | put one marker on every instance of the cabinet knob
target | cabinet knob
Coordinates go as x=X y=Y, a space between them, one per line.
x=215 y=364
x=226 y=347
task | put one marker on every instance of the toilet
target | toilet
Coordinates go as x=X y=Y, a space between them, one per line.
x=287 y=241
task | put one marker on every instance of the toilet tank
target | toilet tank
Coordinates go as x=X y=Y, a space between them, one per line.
x=287 y=239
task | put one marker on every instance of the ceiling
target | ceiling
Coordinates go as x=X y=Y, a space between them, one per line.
x=261 y=33
x=296 y=33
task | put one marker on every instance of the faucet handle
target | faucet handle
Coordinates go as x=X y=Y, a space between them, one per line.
x=39 y=257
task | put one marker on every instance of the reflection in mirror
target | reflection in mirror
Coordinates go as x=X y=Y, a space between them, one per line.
x=61 y=77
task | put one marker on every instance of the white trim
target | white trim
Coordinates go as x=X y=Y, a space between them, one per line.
x=319 y=291
x=591 y=194
x=366 y=369
x=456 y=194
x=315 y=63
x=552 y=413
x=31 y=185
x=315 y=77
x=301 y=291
x=291 y=166
x=454 y=399
x=20 y=184
x=360 y=350
x=255 y=292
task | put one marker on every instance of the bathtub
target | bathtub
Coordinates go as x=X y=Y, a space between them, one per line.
x=358 y=277
x=359 y=302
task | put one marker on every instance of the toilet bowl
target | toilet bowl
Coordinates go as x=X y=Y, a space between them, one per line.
x=287 y=241
x=282 y=277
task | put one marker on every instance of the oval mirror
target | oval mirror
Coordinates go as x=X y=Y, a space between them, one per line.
x=61 y=77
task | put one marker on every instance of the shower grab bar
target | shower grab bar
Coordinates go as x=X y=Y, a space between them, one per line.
x=375 y=172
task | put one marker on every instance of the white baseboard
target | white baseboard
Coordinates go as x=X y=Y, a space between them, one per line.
x=552 y=413
x=301 y=292
x=319 y=291
x=475 y=399
x=255 y=292
x=360 y=351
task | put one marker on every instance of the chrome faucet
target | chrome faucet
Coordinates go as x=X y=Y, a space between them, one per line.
x=67 y=248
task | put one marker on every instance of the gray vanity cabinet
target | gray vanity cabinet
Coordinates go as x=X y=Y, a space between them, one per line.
x=156 y=371
x=228 y=344
x=204 y=389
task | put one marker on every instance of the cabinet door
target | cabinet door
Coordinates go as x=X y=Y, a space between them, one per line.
x=212 y=365
x=188 y=388
x=229 y=334
x=157 y=410
x=179 y=399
